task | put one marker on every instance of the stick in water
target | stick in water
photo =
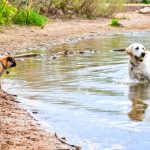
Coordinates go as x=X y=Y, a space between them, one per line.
x=76 y=147
x=119 y=50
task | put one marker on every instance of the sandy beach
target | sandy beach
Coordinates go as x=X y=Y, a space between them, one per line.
x=18 y=129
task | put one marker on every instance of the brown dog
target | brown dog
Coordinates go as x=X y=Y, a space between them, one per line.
x=5 y=63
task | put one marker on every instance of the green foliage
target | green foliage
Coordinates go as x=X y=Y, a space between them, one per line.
x=146 y=1
x=115 y=23
x=26 y=16
x=7 y=12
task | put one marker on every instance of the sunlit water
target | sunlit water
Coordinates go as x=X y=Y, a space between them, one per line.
x=87 y=98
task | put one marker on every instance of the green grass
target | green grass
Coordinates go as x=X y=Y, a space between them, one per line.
x=7 y=12
x=115 y=23
x=26 y=16
x=146 y=1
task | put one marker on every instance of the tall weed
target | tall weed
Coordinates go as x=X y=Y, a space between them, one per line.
x=28 y=16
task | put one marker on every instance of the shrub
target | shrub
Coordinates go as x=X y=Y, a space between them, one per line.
x=24 y=16
x=115 y=23
x=146 y=1
x=7 y=12
x=27 y=16
x=89 y=8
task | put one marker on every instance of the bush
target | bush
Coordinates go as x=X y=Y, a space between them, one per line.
x=146 y=1
x=115 y=23
x=7 y=12
x=26 y=16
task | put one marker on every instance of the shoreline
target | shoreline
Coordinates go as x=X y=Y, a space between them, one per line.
x=20 y=131
x=17 y=121
x=20 y=39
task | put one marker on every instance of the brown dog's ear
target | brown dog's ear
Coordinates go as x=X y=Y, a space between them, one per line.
x=129 y=50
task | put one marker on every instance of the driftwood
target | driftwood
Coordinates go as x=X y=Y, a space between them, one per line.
x=119 y=50
x=26 y=55
x=62 y=141
x=68 y=52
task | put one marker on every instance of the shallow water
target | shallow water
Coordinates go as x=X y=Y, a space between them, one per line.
x=87 y=98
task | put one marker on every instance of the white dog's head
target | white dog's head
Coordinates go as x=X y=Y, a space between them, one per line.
x=136 y=51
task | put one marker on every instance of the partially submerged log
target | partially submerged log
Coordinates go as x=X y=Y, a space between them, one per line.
x=119 y=50
x=26 y=55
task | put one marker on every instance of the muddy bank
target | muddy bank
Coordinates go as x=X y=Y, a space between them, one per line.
x=16 y=38
x=19 y=131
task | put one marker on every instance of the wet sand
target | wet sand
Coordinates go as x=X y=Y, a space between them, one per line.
x=18 y=129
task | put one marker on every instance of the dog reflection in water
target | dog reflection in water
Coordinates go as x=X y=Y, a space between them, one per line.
x=138 y=94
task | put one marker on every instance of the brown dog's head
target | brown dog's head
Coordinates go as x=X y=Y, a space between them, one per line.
x=7 y=61
x=136 y=51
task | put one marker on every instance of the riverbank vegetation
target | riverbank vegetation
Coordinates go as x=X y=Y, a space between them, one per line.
x=72 y=8
x=146 y=1
x=26 y=15
x=36 y=12
x=115 y=22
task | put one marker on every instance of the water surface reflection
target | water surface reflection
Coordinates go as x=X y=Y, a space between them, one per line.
x=86 y=98
x=138 y=94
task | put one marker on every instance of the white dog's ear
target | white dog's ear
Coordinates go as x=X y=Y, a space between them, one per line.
x=129 y=50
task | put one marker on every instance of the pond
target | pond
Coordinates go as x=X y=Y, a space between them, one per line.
x=87 y=98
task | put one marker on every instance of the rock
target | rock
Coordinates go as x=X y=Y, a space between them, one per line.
x=145 y=10
x=60 y=13
x=34 y=112
x=74 y=17
x=53 y=57
x=70 y=12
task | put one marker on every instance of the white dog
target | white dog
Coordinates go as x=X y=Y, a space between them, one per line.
x=139 y=62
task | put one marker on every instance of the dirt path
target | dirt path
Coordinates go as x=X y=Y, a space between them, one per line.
x=18 y=38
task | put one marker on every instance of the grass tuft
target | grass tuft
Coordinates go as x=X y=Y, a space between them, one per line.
x=115 y=22
x=79 y=8
x=26 y=16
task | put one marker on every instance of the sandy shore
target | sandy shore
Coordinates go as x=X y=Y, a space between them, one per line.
x=18 y=130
